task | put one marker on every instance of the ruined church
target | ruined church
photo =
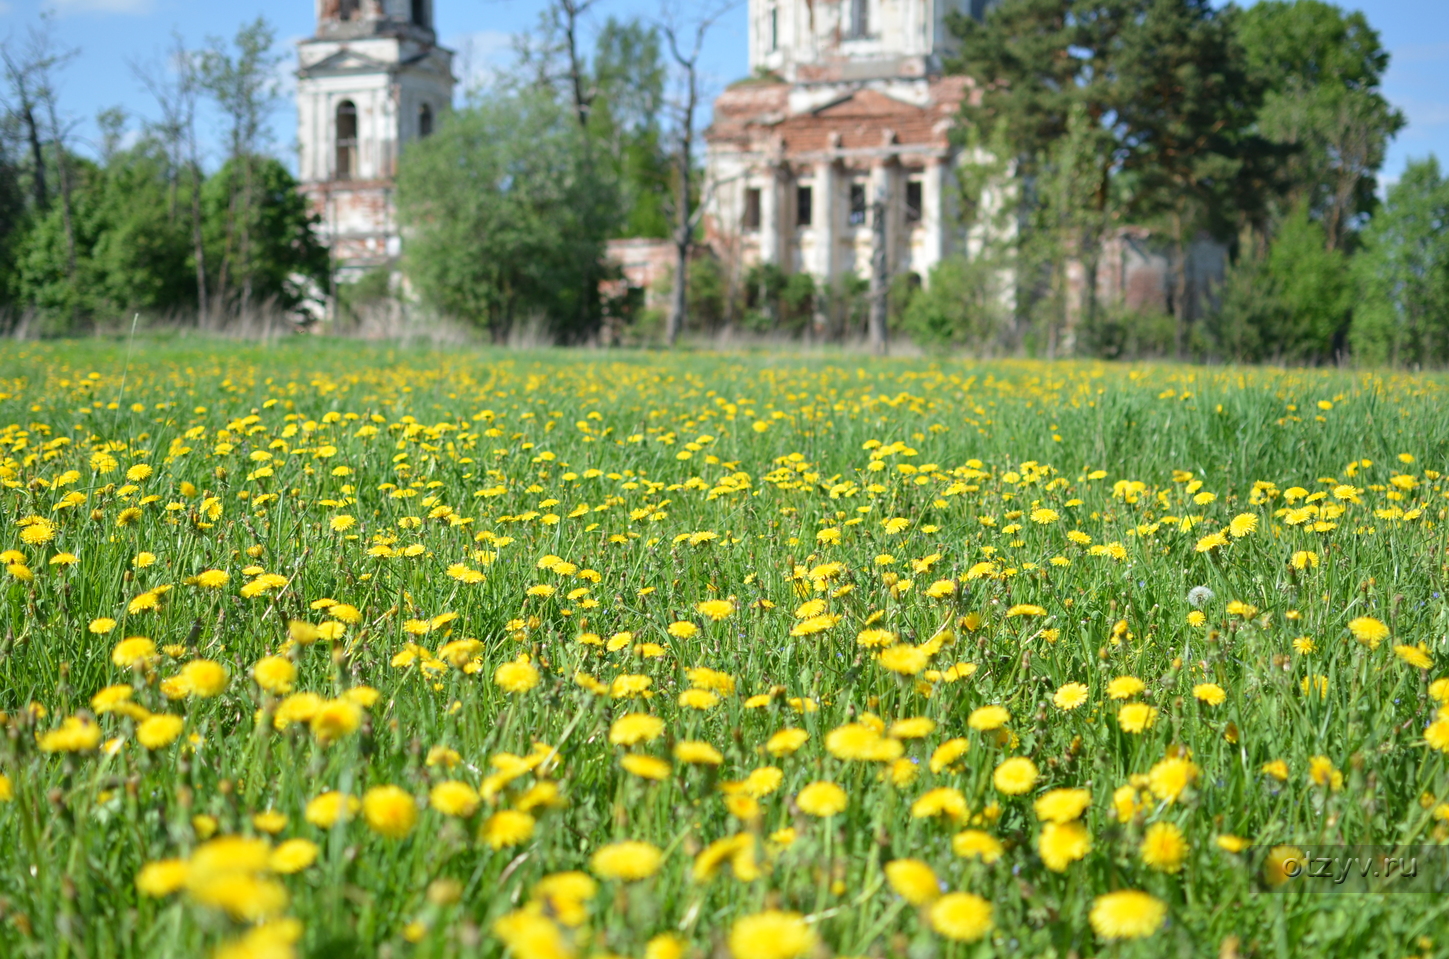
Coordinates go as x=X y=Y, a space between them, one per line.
x=371 y=79
x=847 y=105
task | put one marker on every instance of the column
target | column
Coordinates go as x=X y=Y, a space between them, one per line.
x=770 y=216
x=933 y=189
x=824 y=219
x=885 y=186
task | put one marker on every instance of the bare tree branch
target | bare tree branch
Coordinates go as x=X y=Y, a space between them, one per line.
x=686 y=41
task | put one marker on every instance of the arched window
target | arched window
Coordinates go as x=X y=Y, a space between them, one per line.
x=420 y=12
x=347 y=9
x=425 y=121
x=346 y=140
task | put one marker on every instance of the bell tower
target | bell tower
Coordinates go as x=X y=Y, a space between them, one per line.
x=370 y=80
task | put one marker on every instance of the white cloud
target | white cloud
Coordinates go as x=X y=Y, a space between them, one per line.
x=129 y=7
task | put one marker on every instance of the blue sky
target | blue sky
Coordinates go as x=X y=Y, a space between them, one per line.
x=112 y=33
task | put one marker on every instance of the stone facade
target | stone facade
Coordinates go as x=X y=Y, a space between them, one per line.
x=847 y=106
x=372 y=79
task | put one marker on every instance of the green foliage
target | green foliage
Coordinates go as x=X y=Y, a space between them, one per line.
x=776 y=301
x=508 y=216
x=1311 y=283
x=1321 y=67
x=708 y=293
x=1288 y=305
x=12 y=218
x=1402 y=316
x=370 y=290
x=960 y=305
x=1108 y=108
x=132 y=246
x=281 y=256
x=1114 y=332
x=133 y=242
x=624 y=122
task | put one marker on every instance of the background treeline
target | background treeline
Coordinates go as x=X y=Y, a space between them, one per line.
x=1262 y=129
x=143 y=226
x=1259 y=130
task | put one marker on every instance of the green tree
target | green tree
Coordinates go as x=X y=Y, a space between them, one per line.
x=243 y=87
x=1193 y=119
x=1321 y=68
x=1402 y=273
x=1288 y=304
x=960 y=306
x=628 y=80
x=134 y=253
x=508 y=216
x=12 y=221
x=284 y=258
x=1110 y=108
x=1043 y=123
x=1186 y=106
x=127 y=254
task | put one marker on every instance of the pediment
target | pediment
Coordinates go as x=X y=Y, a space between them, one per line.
x=345 y=61
x=864 y=103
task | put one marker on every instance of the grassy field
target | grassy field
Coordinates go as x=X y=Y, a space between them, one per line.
x=335 y=651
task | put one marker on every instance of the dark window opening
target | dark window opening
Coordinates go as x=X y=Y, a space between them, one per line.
x=752 y=209
x=857 y=204
x=347 y=9
x=804 y=206
x=420 y=12
x=774 y=29
x=913 y=201
x=346 y=140
x=859 y=18
x=425 y=121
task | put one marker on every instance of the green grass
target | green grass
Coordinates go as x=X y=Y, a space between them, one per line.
x=490 y=459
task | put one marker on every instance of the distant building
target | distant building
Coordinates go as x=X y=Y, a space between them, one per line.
x=847 y=104
x=371 y=79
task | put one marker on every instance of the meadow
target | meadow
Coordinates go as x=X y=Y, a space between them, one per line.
x=328 y=650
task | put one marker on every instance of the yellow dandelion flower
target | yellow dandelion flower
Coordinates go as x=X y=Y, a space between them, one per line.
x=1015 y=776
x=628 y=861
x=1128 y=914
x=1369 y=631
x=913 y=881
x=772 y=934
x=822 y=799
x=1163 y=847
x=976 y=844
x=1063 y=843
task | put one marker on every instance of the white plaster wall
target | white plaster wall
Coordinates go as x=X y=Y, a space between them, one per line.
x=808 y=30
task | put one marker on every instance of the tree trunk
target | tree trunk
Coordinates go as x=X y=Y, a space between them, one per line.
x=880 y=277
x=571 y=10
x=1179 y=286
x=63 y=169
x=684 y=231
x=245 y=253
x=37 y=157
x=198 y=246
x=678 y=300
